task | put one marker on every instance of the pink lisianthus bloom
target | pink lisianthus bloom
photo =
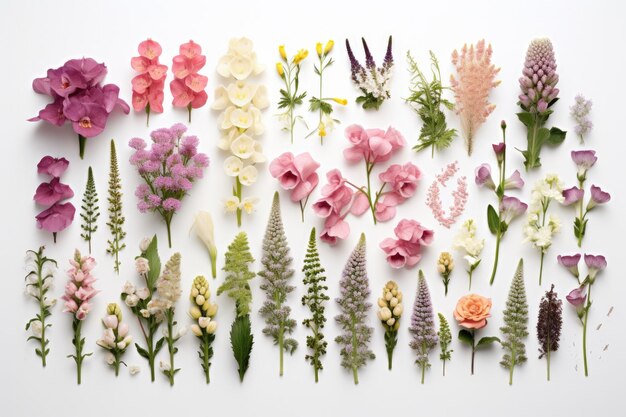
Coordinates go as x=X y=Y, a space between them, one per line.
x=54 y=167
x=49 y=193
x=402 y=179
x=335 y=227
x=56 y=218
x=572 y=195
x=296 y=173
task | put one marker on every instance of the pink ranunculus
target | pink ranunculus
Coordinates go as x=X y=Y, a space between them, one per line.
x=335 y=227
x=572 y=195
x=402 y=179
x=483 y=176
x=412 y=231
x=296 y=174
x=49 y=193
x=56 y=218
x=54 y=167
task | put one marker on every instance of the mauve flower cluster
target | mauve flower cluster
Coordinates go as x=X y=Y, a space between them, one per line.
x=169 y=168
x=580 y=113
x=58 y=215
x=371 y=80
x=148 y=85
x=79 y=289
x=424 y=336
x=188 y=86
x=78 y=97
x=406 y=250
x=539 y=79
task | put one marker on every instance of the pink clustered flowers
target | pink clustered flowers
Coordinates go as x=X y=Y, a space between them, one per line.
x=169 y=168
x=296 y=174
x=188 y=86
x=406 y=250
x=58 y=215
x=79 y=289
x=148 y=85
x=341 y=197
x=78 y=97
x=459 y=195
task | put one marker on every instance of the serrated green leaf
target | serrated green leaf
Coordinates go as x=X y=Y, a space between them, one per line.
x=241 y=341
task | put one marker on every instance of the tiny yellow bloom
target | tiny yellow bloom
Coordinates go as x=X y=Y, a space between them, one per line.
x=281 y=51
x=318 y=48
x=321 y=130
x=329 y=46
x=341 y=101
x=300 y=56
x=279 y=69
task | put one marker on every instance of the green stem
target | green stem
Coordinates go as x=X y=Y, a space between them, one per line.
x=423 y=373
x=238 y=195
x=355 y=375
x=541 y=267
x=205 y=350
x=321 y=72
x=168 y=224
x=473 y=349
x=585 y=330
x=444 y=367
x=495 y=261
x=470 y=272
x=148 y=115
x=79 y=350
x=170 y=343
x=281 y=332
x=116 y=365
x=316 y=374
x=355 y=347
x=82 y=141
x=189 y=111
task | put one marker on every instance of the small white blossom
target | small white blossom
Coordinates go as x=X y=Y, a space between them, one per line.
x=134 y=369
x=109 y=358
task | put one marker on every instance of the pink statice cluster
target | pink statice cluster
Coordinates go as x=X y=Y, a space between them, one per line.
x=476 y=78
x=79 y=289
x=188 y=86
x=341 y=197
x=58 y=215
x=169 y=168
x=78 y=97
x=406 y=249
x=296 y=174
x=148 y=84
x=459 y=196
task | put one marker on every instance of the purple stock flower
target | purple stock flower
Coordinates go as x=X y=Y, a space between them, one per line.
x=499 y=149
x=570 y=262
x=424 y=336
x=595 y=264
x=583 y=160
x=572 y=195
x=598 y=197
x=539 y=80
x=54 y=167
x=483 y=176
x=510 y=208
x=514 y=181
x=577 y=298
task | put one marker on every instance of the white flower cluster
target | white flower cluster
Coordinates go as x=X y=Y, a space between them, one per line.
x=133 y=294
x=38 y=282
x=375 y=81
x=467 y=241
x=240 y=122
x=540 y=227
x=168 y=288
x=390 y=306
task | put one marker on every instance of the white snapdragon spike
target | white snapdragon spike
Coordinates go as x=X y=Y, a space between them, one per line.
x=467 y=241
x=257 y=155
x=243 y=146
x=221 y=101
x=260 y=100
x=242 y=118
x=241 y=93
x=226 y=139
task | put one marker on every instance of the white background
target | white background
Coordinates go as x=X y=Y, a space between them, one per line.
x=587 y=37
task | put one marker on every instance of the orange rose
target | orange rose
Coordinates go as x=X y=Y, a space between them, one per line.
x=472 y=311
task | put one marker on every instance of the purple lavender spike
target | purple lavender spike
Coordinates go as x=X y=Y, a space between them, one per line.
x=355 y=66
x=388 y=62
x=369 y=59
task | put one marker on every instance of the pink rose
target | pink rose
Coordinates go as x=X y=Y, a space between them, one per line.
x=402 y=179
x=334 y=228
x=296 y=174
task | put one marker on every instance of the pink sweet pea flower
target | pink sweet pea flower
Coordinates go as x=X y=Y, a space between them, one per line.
x=402 y=179
x=334 y=228
x=570 y=262
x=577 y=298
x=56 y=218
x=595 y=264
x=483 y=176
x=49 y=193
x=401 y=253
x=385 y=208
x=514 y=181
x=296 y=174
x=511 y=208
x=598 y=197
x=412 y=231
x=572 y=195
x=360 y=204
x=583 y=160
x=334 y=203
x=499 y=149
x=54 y=167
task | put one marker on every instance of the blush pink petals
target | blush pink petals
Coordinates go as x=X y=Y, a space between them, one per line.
x=57 y=216
x=402 y=179
x=149 y=84
x=54 y=167
x=372 y=145
x=51 y=192
x=188 y=86
x=296 y=173
x=335 y=227
x=406 y=250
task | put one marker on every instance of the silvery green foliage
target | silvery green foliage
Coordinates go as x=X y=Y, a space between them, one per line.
x=276 y=273
x=424 y=336
x=354 y=307
x=515 y=327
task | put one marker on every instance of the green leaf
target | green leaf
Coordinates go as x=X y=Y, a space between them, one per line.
x=493 y=220
x=152 y=255
x=557 y=136
x=543 y=135
x=466 y=337
x=241 y=341
x=142 y=352
x=526 y=118
x=487 y=340
x=158 y=345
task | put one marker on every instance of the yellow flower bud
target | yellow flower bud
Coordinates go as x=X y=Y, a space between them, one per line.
x=391 y=322
x=212 y=310
x=300 y=56
x=318 y=49
x=195 y=312
x=200 y=299
x=397 y=311
x=397 y=325
x=341 y=101
x=329 y=46
x=388 y=296
x=393 y=302
x=206 y=305
x=194 y=293
x=382 y=303
x=195 y=329
x=211 y=328
x=279 y=69
x=281 y=51
x=322 y=131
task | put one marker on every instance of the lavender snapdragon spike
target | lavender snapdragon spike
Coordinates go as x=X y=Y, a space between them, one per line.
x=354 y=287
x=423 y=325
x=371 y=80
x=539 y=93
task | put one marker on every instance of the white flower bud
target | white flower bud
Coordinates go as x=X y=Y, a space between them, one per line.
x=145 y=242
x=134 y=369
x=397 y=311
x=109 y=358
x=200 y=300
x=212 y=327
x=195 y=329
x=204 y=322
x=391 y=321
x=195 y=313
x=393 y=302
x=385 y=314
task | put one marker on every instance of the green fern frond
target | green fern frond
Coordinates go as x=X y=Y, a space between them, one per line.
x=90 y=209
x=116 y=219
